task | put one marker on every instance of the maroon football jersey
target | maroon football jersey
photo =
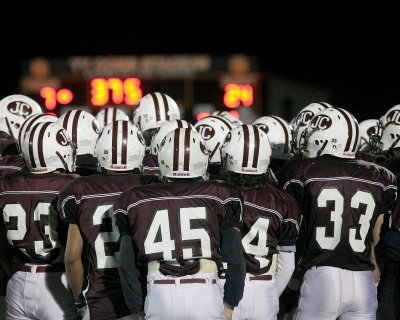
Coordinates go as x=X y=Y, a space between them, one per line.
x=89 y=203
x=150 y=164
x=179 y=223
x=31 y=223
x=340 y=200
x=370 y=156
x=393 y=164
x=11 y=164
x=8 y=145
x=271 y=218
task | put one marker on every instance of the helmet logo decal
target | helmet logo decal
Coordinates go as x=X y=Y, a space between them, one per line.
x=20 y=108
x=207 y=132
x=304 y=118
x=372 y=130
x=263 y=127
x=61 y=137
x=393 y=117
x=321 y=122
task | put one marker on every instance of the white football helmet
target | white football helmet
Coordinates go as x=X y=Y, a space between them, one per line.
x=183 y=154
x=246 y=150
x=164 y=130
x=333 y=131
x=110 y=114
x=5 y=126
x=30 y=122
x=154 y=109
x=390 y=116
x=236 y=122
x=213 y=130
x=120 y=146
x=279 y=135
x=302 y=120
x=47 y=147
x=83 y=129
x=367 y=128
x=17 y=108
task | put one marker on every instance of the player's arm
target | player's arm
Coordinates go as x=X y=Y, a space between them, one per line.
x=5 y=252
x=232 y=254
x=375 y=240
x=73 y=263
x=129 y=274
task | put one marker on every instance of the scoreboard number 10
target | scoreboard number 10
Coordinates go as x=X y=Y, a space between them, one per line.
x=102 y=92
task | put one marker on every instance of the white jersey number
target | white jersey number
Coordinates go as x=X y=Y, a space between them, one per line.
x=260 y=250
x=15 y=210
x=166 y=245
x=359 y=198
x=103 y=260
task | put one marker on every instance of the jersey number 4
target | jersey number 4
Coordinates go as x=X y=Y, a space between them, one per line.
x=359 y=198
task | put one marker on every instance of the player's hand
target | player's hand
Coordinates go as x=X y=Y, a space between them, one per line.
x=376 y=274
x=82 y=310
x=228 y=311
x=139 y=316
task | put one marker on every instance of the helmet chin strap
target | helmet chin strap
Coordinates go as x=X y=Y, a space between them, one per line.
x=322 y=148
x=63 y=161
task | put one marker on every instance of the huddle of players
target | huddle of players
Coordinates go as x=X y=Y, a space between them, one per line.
x=209 y=231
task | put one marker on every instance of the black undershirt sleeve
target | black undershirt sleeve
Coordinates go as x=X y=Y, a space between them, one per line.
x=129 y=275
x=232 y=253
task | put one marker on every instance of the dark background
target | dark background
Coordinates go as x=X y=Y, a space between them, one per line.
x=353 y=49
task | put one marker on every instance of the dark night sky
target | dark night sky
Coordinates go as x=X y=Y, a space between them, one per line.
x=353 y=50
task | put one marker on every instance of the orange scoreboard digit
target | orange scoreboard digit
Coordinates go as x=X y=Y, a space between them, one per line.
x=103 y=91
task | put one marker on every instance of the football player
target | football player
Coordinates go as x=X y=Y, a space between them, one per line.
x=280 y=137
x=110 y=114
x=213 y=130
x=87 y=206
x=343 y=201
x=386 y=145
x=38 y=287
x=154 y=110
x=182 y=228
x=270 y=222
x=16 y=108
x=84 y=130
x=158 y=136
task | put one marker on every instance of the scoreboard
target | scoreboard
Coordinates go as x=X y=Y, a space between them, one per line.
x=198 y=83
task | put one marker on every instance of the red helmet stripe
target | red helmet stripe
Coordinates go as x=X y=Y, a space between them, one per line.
x=105 y=116
x=114 y=114
x=323 y=104
x=66 y=119
x=286 y=133
x=124 y=147
x=40 y=144
x=175 y=164
x=186 y=157
x=256 y=146
x=156 y=106
x=166 y=106
x=75 y=126
x=114 y=154
x=246 y=140
x=28 y=125
x=350 y=129
x=30 y=148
